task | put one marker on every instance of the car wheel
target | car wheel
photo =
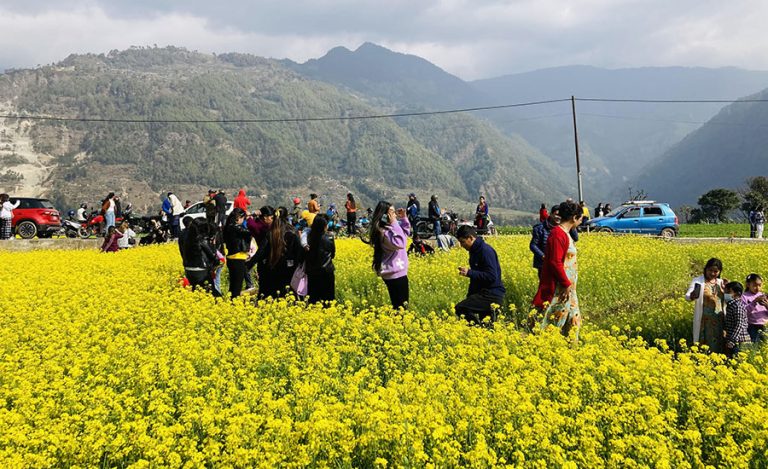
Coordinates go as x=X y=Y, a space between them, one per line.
x=26 y=229
x=605 y=230
x=423 y=230
x=667 y=233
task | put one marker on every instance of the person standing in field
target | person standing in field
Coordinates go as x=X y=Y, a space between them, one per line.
x=277 y=258
x=735 y=320
x=220 y=200
x=313 y=205
x=707 y=291
x=585 y=212
x=759 y=222
x=242 y=201
x=543 y=214
x=108 y=210
x=200 y=259
x=756 y=306
x=484 y=273
x=481 y=213
x=389 y=234
x=209 y=202
x=599 y=210
x=176 y=210
x=539 y=238
x=556 y=295
x=351 y=207
x=321 y=277
x=238 y=242
x=6 y=216
x=413 y=208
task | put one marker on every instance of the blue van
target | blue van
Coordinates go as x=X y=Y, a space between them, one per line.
x=638 y=216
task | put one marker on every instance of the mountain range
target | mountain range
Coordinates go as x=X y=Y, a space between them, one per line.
x=517 y=157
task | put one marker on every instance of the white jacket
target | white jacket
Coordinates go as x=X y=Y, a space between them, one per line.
x=176 y=207
x=698 y=307
x=7 y=210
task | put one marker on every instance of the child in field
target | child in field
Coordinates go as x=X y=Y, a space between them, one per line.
x=706 y=291
x=419 y=247
x=735 y=319
x=756 y=305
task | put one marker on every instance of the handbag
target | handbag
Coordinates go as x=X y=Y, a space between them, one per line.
x=299 y=281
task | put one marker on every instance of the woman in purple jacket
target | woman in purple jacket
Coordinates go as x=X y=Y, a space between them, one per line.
x=389 y=236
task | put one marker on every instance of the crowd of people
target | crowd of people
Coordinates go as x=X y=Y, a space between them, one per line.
x=292 y=252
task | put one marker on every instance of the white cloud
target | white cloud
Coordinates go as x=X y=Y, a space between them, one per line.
x=471 y=38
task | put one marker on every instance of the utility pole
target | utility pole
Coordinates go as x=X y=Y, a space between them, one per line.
x=576 y=143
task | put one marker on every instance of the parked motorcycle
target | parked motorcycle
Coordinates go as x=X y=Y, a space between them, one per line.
x=425 y=227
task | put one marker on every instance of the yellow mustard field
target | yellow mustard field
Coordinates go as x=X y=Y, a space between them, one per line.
x=105 y=361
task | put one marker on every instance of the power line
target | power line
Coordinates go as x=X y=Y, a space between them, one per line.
x=674 y=101
x=291 y=119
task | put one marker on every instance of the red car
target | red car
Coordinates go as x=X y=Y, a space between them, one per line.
x=35 y=217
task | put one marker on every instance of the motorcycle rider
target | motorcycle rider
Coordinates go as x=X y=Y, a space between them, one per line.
x=413 y=208
x=80 y=217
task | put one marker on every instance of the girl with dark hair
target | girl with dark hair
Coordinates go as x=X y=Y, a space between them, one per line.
x=319 y=266
x=199 y=257
x=351 y=207
x=238 y=242
x=756 y=304
x=110 y=240
x=559 y=274
x=543 y=214
x=108 y=207
x=389 y=234
x=277 y=259
x=707 y=291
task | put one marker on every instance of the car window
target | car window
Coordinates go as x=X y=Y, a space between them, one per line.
x=23 y=203
x=653 y=212
x=633 y=212
x=196 y=208
x=46 y=204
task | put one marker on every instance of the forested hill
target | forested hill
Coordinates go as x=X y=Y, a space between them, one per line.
x=724 y=152
x=457 y=156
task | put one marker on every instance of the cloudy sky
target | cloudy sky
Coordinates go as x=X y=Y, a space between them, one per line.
x=470 y=38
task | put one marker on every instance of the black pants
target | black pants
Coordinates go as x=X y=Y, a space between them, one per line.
x=202 y=278
x=752 y=230
x=476 y=307
x=398 y=291
x=321 y=287
x=351 y=220
x=236 y=276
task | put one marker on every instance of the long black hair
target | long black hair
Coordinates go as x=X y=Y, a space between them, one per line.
x=569 y=211
x=109 y=196
x=377 y=232
x=236 y=213
x=316 y=233
x=351 y=198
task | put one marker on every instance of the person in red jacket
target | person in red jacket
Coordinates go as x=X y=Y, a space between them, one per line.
x=559 y=274
x=241 y=201
x=543 y=214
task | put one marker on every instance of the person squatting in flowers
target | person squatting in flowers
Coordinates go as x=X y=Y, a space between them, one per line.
x=485 y=286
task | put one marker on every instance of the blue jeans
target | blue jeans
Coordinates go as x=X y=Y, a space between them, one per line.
x=438 y=231
x=109 y=219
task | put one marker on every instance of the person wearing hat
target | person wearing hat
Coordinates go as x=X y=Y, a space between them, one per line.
x=296 y=211
x=412 y=208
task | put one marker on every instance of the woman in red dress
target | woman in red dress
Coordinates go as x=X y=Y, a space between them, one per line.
x=557 y=288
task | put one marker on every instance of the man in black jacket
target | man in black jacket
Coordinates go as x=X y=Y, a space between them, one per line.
x=484 y=273
x=221 y=208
